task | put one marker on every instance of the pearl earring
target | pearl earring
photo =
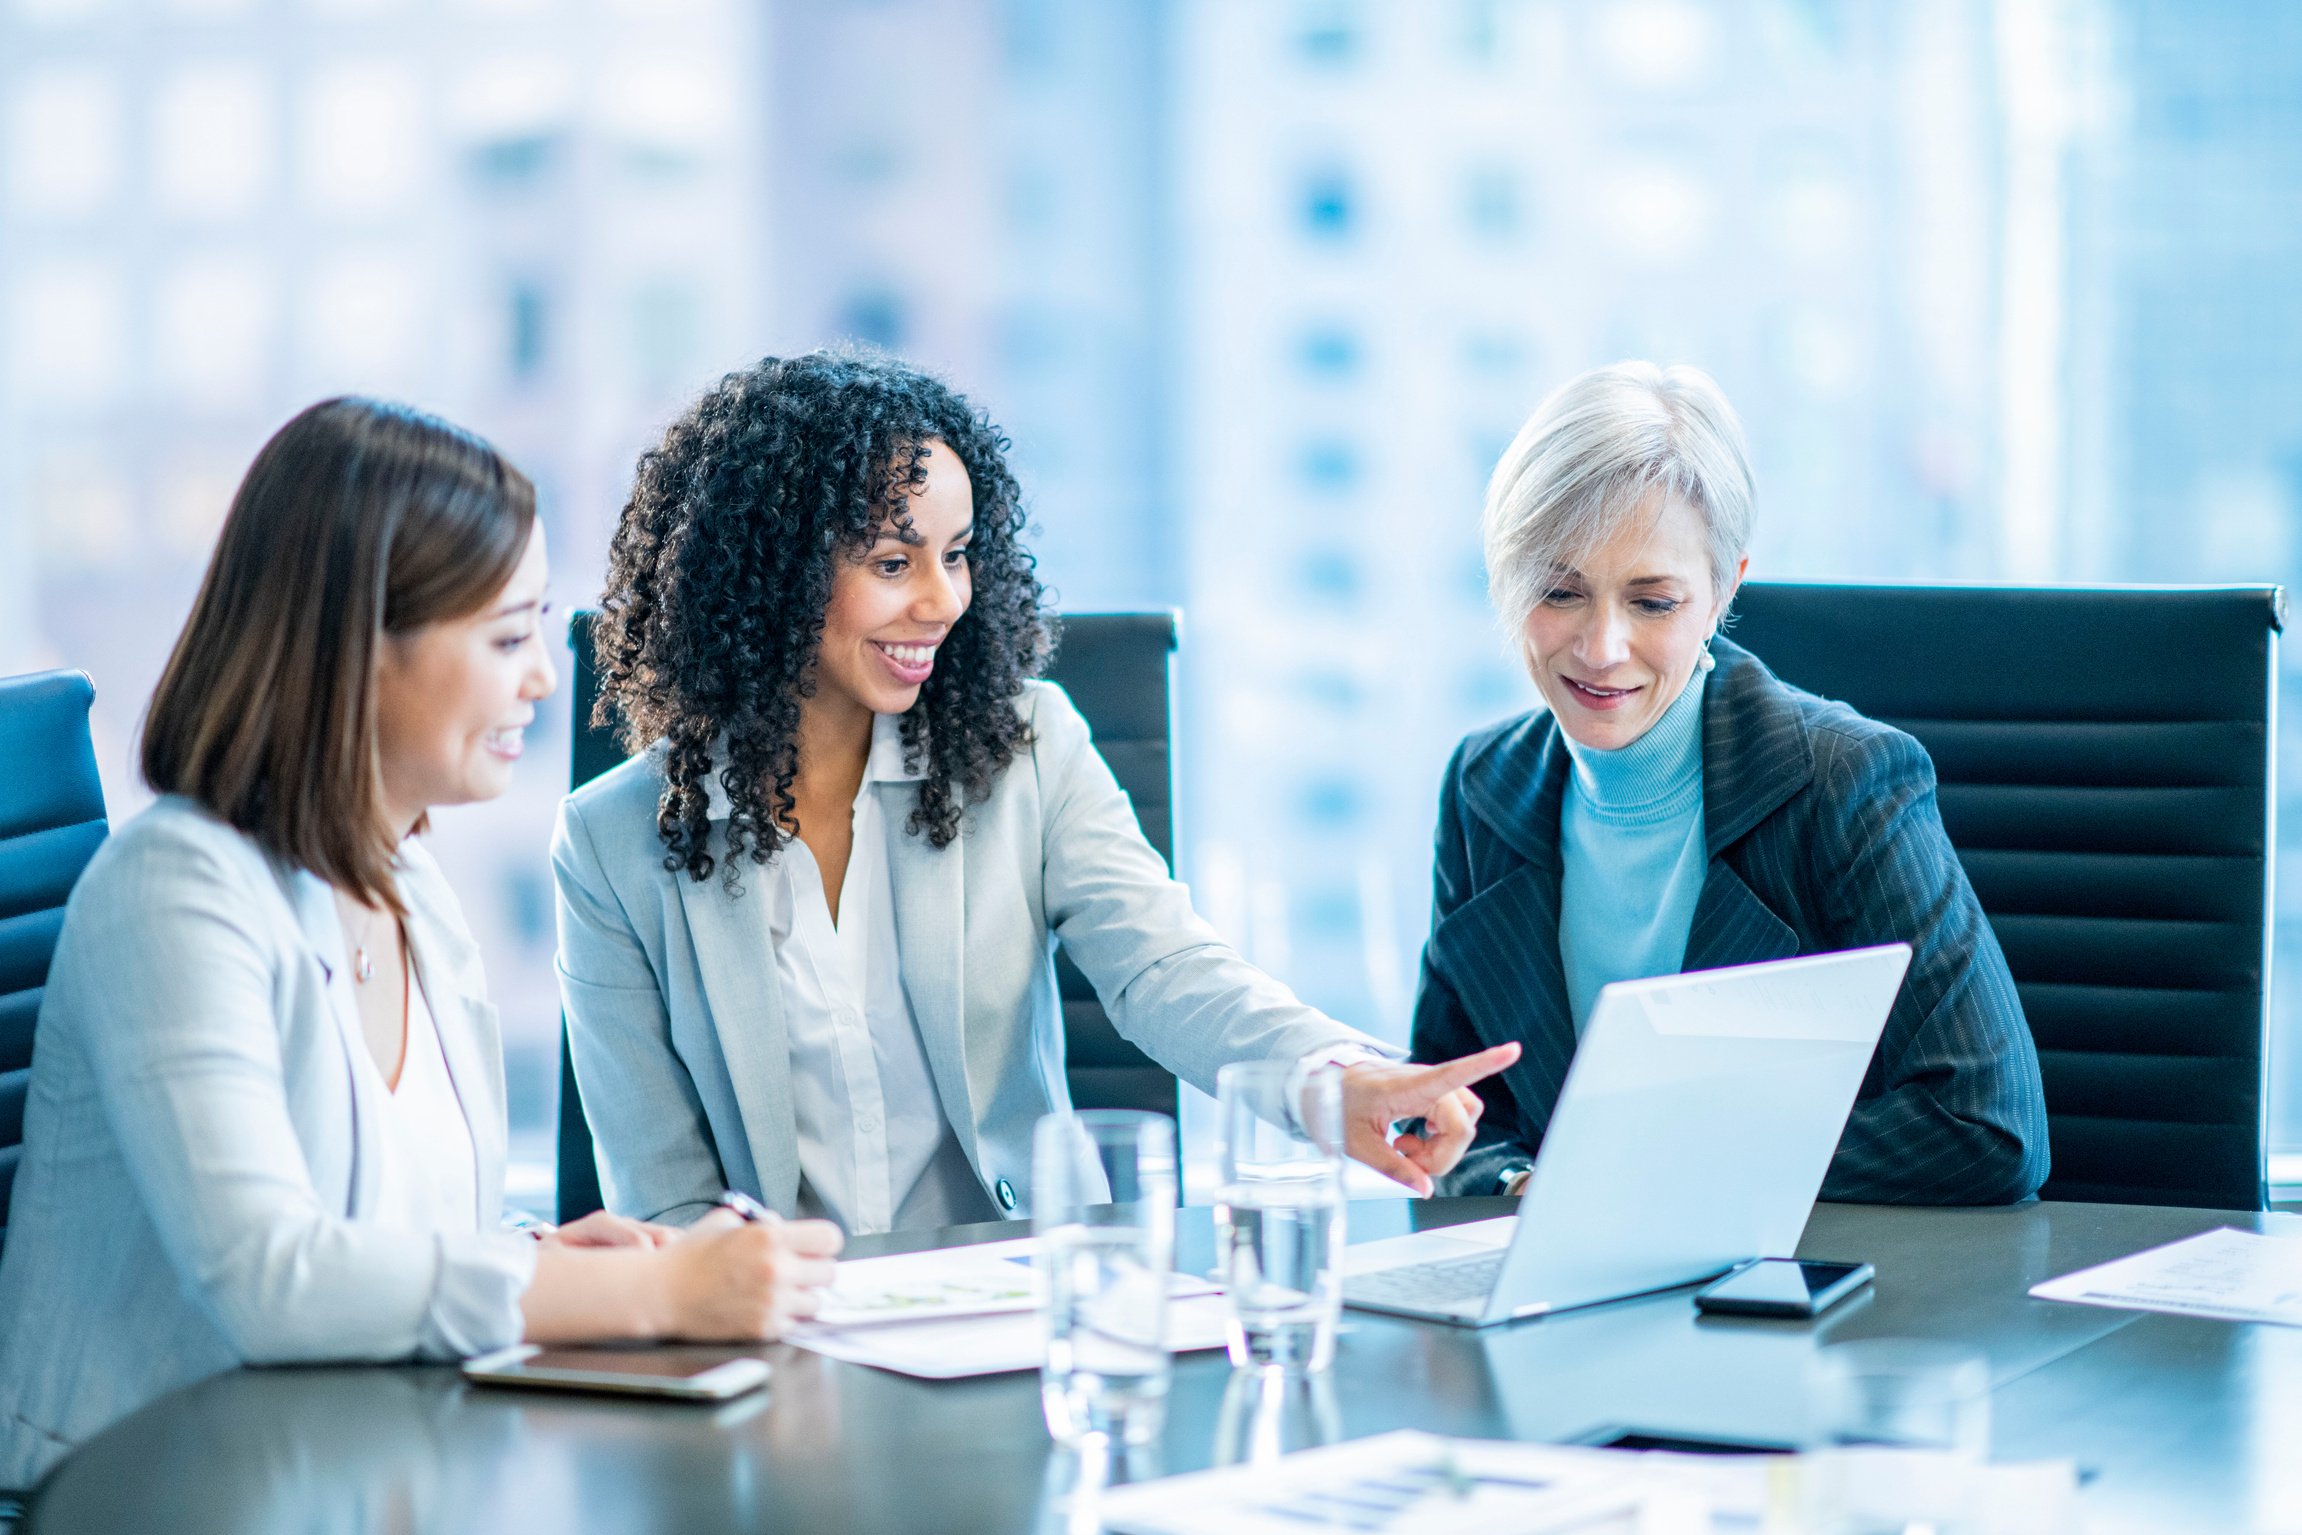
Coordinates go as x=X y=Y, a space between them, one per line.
x=1706 y=661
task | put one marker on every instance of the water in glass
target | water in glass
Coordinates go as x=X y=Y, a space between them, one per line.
x=1279 y=1240
x=1103 y=1209
x=1279 y=1213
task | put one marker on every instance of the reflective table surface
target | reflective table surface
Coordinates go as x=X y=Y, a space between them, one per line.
x=2178 y=1423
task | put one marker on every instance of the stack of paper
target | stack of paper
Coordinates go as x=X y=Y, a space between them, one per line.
x=1414 y=1483
x=2237 y=1276
x=961 y=1311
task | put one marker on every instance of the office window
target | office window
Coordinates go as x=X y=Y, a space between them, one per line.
x=64 y=142
x=1480 y=30
x=874 y=316
x=1330 y=576
x=363 y=323
x=1492 y=691
x=518 y=163
x=527 y=329
x=363 y=140
x=212 y=140
x=214 y=318
x=1327 y=204
x=1033 y=340
x=1658 y=211
x=1328 y=351
x=1332 y=918
x=1327 y=31
x=1331 y=802
x=672 y=114
x=1655 y=45
x=1471 y=573
x=1494 y=203
x=70 y=333
x=194 y=492
x=1330 y=467
x=61 y=12
x=85 y=506
x=666 y=334
x=1336 y=692
x=1497 y=353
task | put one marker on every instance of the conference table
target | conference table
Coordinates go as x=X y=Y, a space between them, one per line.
x=2175 y=1423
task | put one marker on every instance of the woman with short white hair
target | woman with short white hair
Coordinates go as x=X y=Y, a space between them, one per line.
x=1673 y=806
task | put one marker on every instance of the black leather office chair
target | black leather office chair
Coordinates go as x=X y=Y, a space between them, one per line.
x=51 y=823
x=1116 y=667
x=2105 y=759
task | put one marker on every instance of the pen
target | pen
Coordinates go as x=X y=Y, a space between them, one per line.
x=744 y=1205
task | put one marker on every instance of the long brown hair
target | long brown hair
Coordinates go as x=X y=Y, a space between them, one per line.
x=358 y=519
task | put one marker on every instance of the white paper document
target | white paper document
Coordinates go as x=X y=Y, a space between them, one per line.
x=2236 y=1276
x=955 y=1311
x=1415 y=1483
x=983 y=1280
x=955 y=1347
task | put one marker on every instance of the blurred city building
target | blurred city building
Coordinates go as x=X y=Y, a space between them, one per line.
x=1259 y=288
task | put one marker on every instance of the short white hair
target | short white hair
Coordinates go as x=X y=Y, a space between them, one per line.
x=1593 y=456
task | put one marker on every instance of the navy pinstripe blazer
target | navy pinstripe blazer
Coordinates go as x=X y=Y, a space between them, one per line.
x=1823 y=834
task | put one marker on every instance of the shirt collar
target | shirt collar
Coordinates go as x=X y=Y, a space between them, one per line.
x=1658 y=767
x=884 y=765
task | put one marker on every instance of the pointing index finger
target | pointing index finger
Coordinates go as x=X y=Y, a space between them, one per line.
x=1446 y=1076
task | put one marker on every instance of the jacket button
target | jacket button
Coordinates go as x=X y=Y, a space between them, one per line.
x=1006 y=1193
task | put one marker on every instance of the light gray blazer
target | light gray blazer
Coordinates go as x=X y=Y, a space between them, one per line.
x=677 y=1026
x=200 y=1156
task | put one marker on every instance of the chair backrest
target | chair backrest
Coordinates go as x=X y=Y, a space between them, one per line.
x=1117 y=669
x=51 y=823
x=2105 y=761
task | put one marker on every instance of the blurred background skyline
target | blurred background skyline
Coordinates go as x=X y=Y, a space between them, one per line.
x=1259 y=289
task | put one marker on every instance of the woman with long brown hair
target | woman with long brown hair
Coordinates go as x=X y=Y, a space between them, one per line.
x=266 y=1116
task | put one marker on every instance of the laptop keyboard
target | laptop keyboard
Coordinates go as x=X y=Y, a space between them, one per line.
x=1429 y=1284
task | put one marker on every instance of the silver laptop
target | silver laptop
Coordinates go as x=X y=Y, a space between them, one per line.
x=1692 y=1133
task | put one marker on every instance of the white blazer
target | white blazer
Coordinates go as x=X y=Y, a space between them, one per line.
x=677 y=1027
x=200 y=1156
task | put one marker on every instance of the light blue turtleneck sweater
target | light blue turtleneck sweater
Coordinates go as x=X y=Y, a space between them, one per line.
x=1632 y=833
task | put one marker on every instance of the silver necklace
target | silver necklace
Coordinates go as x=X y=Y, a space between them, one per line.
x=363 y=965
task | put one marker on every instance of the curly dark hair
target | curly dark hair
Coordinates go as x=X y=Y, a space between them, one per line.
x=723 y=562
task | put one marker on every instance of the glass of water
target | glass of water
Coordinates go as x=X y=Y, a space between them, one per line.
x=1103 y=1209
x=1279 y=1211
x=1911 y=1392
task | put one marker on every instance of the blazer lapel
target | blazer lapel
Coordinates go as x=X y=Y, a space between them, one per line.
x=315 y=908
x=735 y=955
x=1755 y=757
x=929 y=887
x=1755 y=750
x=1500 y=948
x=1732 y=926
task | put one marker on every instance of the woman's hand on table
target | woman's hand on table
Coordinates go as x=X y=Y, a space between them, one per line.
x=728 y=1278
x=603 y=1229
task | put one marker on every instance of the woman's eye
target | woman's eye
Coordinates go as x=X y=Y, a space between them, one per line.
x=1657 y=607
x=956 y=557
x=1559 y=596
x=892 y=567
x=512 y=642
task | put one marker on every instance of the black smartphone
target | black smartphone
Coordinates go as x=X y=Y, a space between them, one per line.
x=1793 y=1287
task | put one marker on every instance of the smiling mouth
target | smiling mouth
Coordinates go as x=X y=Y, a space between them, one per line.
x=507 y=742
x=910 y=663
x=1595 y=694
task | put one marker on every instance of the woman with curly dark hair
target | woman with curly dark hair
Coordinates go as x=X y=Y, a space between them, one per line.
x=806 y=932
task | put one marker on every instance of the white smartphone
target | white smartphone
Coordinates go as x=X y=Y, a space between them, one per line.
x=685 y=1373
